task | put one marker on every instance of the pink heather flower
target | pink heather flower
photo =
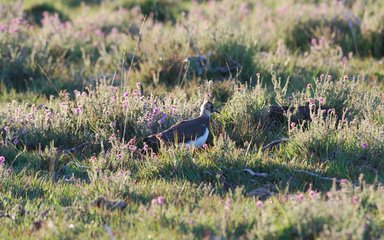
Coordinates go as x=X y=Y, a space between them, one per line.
x=329 y=77
x=132 y=141
x=344 y=60
x=156 y=110
x=300 y=197
x=136 y=93
x=145 y=147
x=6 y=129
x=2 y=160
x=244 y=9
x=329 y=194
x=321 y=100
x=138 y=85
x=99 y=33
x=16 y=141
x=321 y=77
x=309 y=86
x=364 y=145
x=260 y=204
x=205 y=146
x=3 y=27
x=48 y=114
x=160 y=200
x=228 y=203
x=93 y=158
x=314 y=41
x=355 y=200
x=79 y=110
x=119 y=156
x=107 y=113
x=77 y=93
x=313 y=194
x=112 y=137
x=344 y=181
x=112 y=125
x=345 y=78
x=293 y=124
x=126 y=94
x=311 y=102
x=132 y=148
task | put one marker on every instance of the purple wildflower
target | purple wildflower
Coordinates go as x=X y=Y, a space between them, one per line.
x=99 y=33
x=260 y=204
x=132 y=148
x=344 y=60
x=321 y=100
x=228 y=203
x=160 y=200
x=300 y=197
x=344 y=181
x=132 y=141
x=355 y=200
x=112 y=137
x=3 y=27
x=364 y=145
x=136 y=93
x=313 y=194
x=244 y=9
x=156 y=110
x=311 y=102
x=16 y=141
x=314 y=41
x=2 y=160
x=145 y=147
x=293 y=124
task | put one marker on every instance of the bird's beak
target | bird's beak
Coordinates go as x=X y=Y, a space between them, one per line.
x=216 y=111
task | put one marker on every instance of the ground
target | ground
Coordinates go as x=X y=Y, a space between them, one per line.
x=83 y=82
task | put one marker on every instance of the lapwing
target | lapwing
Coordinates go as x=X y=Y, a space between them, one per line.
x=193 y=132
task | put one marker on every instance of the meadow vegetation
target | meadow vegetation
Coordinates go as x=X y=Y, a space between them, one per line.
x=83 y=82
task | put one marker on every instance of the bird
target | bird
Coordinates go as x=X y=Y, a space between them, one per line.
x=193 y=132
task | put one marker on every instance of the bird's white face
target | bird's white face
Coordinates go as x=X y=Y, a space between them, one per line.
x=207 y=109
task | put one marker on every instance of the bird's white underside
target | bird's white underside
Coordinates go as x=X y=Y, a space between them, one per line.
x=200 y=140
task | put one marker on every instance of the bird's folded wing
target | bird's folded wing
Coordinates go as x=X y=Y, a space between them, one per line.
x=183 y=131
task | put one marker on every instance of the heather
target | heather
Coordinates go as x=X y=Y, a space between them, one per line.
x=83 y=82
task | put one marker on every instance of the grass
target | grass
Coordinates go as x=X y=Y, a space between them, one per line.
x=83 y=83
